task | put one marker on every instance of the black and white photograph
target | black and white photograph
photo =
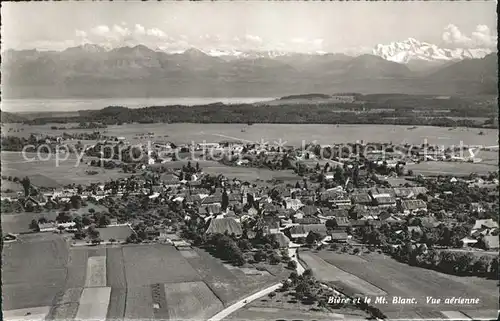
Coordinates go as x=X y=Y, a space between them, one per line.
x=249 y=160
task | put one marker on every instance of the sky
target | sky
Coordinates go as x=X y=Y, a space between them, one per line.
x=285 y=26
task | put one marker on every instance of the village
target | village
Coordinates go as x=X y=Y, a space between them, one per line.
x=333 y=200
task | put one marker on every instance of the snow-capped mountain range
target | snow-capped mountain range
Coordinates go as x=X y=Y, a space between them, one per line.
x=409 y=51
x=412 y=49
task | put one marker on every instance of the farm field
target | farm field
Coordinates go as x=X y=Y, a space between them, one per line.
x=329 y=273
x=66 y=304
x=228 y=284
x=28 y=314
x=116 y=280
x=293 y=134
x=191 y=301
x=96 y=272
x=406 y=281
x=139 y=304
x=50 y=173
x=146 y=265
x=33 y=272
x=93 y=303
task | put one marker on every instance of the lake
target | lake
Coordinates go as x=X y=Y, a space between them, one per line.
x=289 y=134
x=72 y=105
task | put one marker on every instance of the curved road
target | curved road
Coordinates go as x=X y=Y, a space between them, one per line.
x=238 y=305
x=292 y=252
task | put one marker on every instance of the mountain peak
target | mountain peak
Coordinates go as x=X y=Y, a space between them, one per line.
x=412 y=49
x=193 y=52
x=87 y=47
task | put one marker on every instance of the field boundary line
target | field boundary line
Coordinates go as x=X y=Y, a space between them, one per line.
x=215 y=294
x=126 y=283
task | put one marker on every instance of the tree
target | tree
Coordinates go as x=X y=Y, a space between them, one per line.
x=26 y=183
x=225 y=201
x=259 y=256
x=464 y=264
x=494 y=268
x=312 y=237
x=63 y=217
x=274 y=259
x=307 y=273
x=338 y=176
x=93 y=233
x=34 y=226
x=481 y=266
x=292 y=265
x=244 y=244
x=76 y=201
x=103 y=221
x=131 y=238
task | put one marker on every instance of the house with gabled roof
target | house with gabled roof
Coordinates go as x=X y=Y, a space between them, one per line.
x=212 y=199
x=384 y=200
x=412 y=206
x=309 y=210
x=299 y=231
x=223 y=225
x=209 y=209
x=292 y=203
x=361 y=198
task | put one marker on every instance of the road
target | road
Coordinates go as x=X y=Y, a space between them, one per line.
x=292 y=253
x=238 y=305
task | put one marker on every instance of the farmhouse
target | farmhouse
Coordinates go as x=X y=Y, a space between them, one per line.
x=412 y=206
x=299 y=231
x=338 y=237
x=341 y=223
x=384 y=200
x=291 y=203
x=223 y=225
x=361 y=198
x=281 y=239
x=485 y=223
x=212 y=200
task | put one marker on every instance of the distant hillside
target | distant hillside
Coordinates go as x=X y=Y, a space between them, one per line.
x=306 y=96
x=481 y=74
x=7 y=118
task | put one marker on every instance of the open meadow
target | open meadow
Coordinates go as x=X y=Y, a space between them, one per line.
x=457 y=168
x=401 y=280
x=18 y=223
x=46 y=171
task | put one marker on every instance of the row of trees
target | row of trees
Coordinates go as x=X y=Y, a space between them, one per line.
x=442 y=235
x=451 y=262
